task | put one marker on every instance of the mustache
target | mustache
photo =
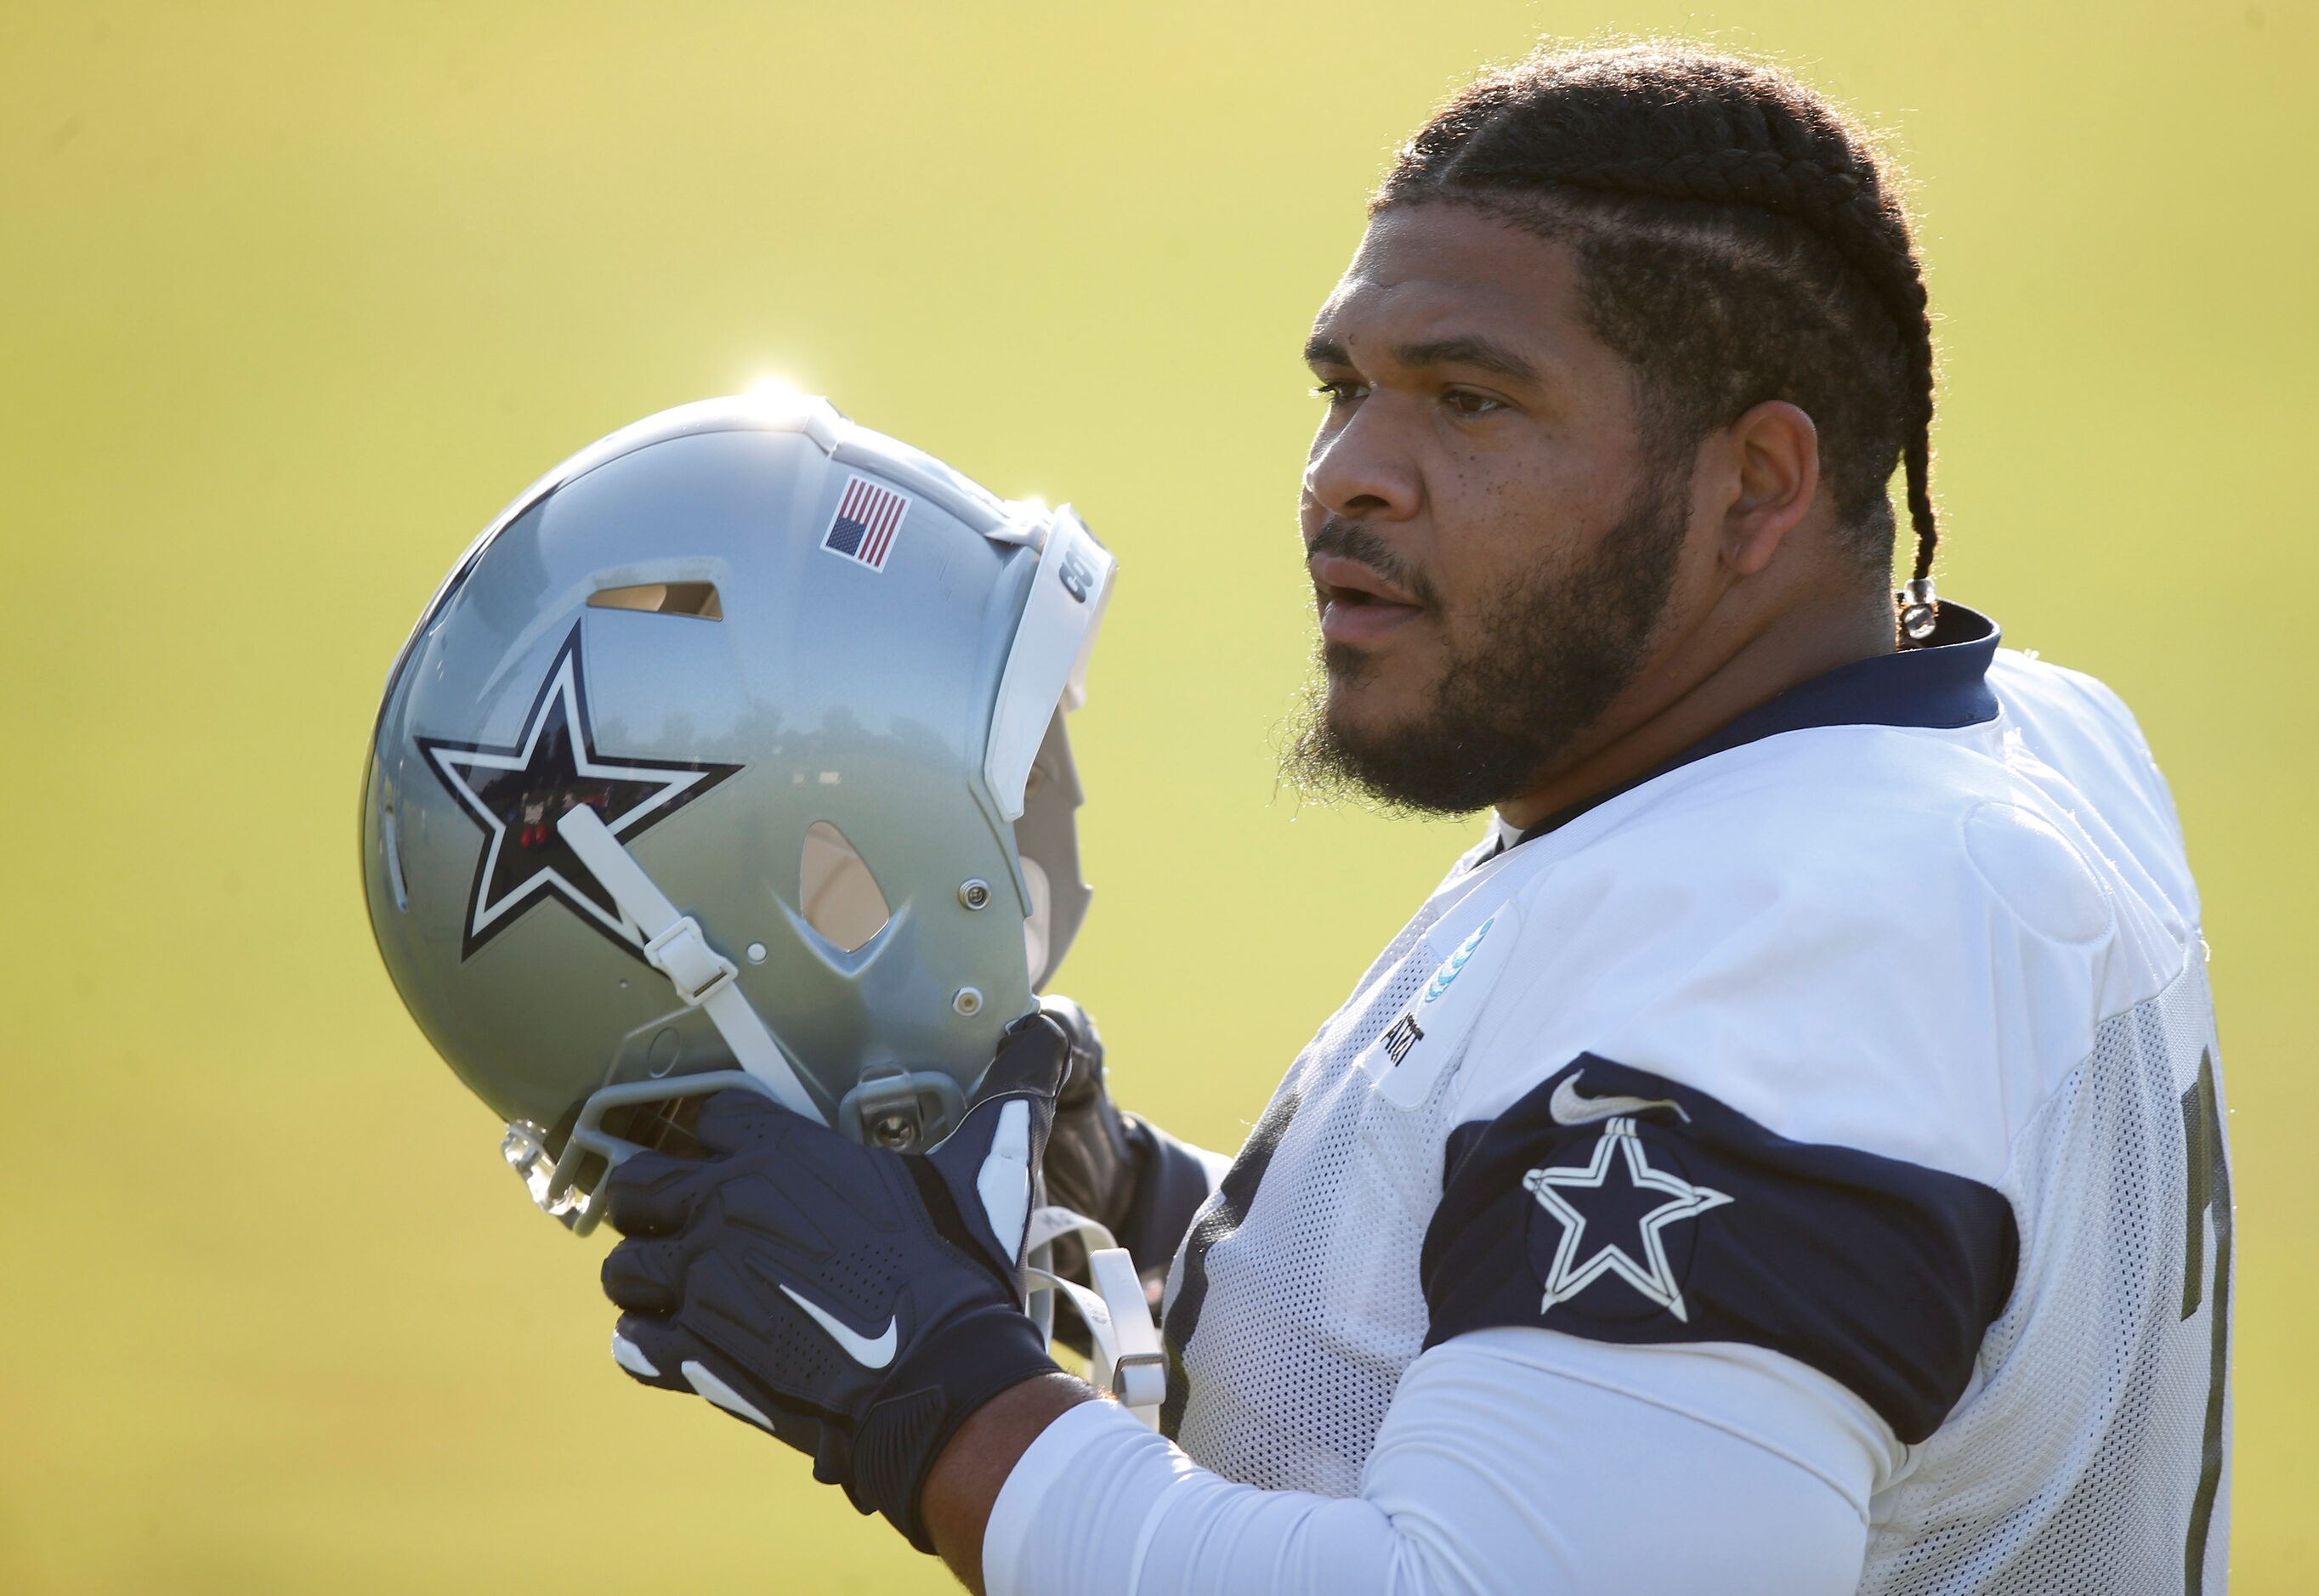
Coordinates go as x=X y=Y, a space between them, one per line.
x=1350 y=539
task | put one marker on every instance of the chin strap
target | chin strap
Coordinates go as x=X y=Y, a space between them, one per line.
x=675 y=946
x=1126 y=1360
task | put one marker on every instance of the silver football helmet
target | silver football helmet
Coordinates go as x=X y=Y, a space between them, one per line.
x=733 y=752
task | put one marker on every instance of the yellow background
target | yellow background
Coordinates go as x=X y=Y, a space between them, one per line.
x=292 y=298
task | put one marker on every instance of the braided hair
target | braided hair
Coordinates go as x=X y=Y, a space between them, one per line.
x=1739 y=240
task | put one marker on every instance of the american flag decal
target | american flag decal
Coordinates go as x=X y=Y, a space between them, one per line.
x=867 y=517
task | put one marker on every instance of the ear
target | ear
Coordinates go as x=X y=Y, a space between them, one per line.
x=1774 y=453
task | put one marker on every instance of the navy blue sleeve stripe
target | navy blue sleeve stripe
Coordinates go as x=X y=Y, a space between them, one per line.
x=1619 y=1205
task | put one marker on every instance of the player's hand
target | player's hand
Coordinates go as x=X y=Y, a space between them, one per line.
x=1092 y=1163
x=859 y=1303
x=1114 y=1167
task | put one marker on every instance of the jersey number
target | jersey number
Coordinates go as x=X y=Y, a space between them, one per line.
x=2208 y=1192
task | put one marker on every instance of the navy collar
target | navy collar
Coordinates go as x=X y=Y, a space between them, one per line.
x=1943 y=683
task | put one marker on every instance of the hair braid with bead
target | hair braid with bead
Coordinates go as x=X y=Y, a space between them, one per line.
x=1741 y=241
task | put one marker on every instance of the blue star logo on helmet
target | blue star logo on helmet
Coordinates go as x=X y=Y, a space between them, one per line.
x=515 y=795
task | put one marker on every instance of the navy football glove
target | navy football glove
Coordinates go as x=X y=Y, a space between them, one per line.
x=859 y=1304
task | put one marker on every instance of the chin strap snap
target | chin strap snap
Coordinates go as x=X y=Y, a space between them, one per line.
x=675 y=946
x=1127 y=1360
x=1920 y=609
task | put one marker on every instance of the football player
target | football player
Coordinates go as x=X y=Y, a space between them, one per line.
x=1785 y=1155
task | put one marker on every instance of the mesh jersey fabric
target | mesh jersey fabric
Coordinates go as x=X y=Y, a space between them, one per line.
x=2047 y=1031
x=1317 y=1296
x=2076 y=1462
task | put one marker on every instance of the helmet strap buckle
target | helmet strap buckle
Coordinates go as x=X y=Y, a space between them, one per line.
x=682 y=954
x=676 y=946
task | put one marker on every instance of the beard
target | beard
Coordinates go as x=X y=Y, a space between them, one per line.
x=1528 y=676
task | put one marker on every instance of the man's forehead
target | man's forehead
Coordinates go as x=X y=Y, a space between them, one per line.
x=1437 y=272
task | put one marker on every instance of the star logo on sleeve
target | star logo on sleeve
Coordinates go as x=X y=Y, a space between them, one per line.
x=1616 y=1199
x=516 y=794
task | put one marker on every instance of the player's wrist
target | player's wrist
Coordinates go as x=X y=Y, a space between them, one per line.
x=966 y=1365
x=953 y=1372
x=962 y=1486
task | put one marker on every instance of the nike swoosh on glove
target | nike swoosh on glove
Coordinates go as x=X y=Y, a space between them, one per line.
x=859 y=1304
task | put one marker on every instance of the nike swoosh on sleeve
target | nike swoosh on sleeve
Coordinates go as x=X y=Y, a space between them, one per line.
x=1569 y=1107
x=870 y=1354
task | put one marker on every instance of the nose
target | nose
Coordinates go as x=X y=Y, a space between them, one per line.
x=1356 y=471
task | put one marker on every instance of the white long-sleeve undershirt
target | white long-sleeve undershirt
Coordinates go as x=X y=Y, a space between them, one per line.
x=1511 y=1460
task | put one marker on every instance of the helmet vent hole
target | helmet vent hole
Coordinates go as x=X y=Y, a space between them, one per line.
x=835 y=891
x=695 y=598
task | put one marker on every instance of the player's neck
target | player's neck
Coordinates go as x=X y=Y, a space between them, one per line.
x=1695 y=689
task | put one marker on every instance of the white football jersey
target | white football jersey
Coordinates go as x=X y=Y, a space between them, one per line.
x=1875 y=1034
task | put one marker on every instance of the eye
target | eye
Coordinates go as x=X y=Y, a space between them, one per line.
x=1339 y=391
x=1465 y=402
